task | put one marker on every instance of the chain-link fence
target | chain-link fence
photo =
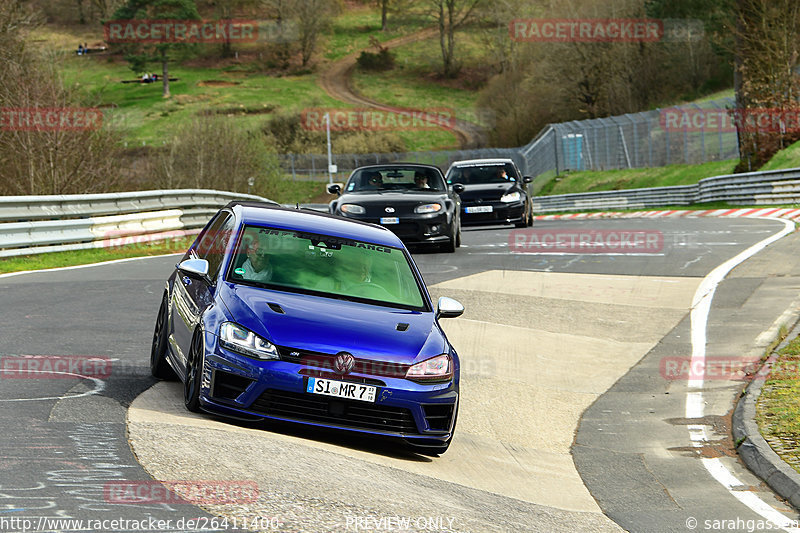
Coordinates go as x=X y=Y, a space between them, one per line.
x=689 y=134
x=315 y=166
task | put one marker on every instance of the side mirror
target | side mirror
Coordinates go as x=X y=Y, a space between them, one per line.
x=458 y=188
x=448 y=308
x=334 y=188
x=194 y=267
x=527 y=179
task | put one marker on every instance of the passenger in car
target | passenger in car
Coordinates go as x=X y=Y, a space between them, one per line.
x=421 y=180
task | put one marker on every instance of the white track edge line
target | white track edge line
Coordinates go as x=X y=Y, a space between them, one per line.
x=695 y=404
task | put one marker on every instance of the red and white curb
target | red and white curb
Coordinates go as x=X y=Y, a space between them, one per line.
x=772 y=212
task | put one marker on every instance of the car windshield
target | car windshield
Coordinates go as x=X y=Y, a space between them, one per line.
x=498 y=173
x=326 y=266
x=395 y=178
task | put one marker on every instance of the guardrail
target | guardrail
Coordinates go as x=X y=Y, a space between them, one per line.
x=40 y=224
x=752 y=188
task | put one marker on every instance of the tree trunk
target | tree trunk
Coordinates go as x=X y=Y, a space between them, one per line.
x=442 y=43
x=81 y=16
x=738 y=85
x=165 y=73
x=384 y=9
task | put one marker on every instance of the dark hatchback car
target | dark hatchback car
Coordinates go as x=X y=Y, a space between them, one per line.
x=494 y=192
x=299 y=316
x=411 y=200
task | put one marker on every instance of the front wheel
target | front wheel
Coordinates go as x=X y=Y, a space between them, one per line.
x=452 y=243
x=194 y=374
x=159 y=367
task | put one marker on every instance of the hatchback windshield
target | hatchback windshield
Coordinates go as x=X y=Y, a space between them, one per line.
x=326 y=266
x=483 y=174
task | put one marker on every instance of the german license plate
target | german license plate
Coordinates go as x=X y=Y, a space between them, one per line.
x=340 y=389
x=478 y=209
x=390 y=220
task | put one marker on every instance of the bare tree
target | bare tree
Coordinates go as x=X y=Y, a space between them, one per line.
x=313 y=17
x=450 y=15
x=767 y=55
x=37 y=159
x=227 y=163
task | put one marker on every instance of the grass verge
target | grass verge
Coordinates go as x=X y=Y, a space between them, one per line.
x=634 y=178
x=94 y=255
x=778 y=407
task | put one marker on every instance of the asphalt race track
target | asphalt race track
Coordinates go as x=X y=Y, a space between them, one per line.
x=570 y=419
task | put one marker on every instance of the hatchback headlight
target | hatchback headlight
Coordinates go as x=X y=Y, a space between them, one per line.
x=428 y=208
x=241 y=340
x=353 y=209
x=511 y=197
x=439 y=368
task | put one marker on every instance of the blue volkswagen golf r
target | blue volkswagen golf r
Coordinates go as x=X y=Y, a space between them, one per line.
x=293 y=315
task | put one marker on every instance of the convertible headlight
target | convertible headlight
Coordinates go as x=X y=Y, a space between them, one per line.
x=439 y=368
x=238 y=339
x=511 y=197
x=428 y=208
x=353 y=209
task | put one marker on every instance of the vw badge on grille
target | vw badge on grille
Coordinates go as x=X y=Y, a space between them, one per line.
x=390 y=210
x=343 y=363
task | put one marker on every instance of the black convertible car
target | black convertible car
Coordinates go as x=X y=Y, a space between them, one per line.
x=410 y=199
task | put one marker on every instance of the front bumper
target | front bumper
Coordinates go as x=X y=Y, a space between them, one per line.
x=240 y=387
x=418 y=229
x=501 y=213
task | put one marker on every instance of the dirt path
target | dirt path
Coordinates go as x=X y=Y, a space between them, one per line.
x=335 y=80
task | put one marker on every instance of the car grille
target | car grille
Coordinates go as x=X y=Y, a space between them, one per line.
x=326 y=361
x=404 y=229
x=475 y=217
x=312 y=408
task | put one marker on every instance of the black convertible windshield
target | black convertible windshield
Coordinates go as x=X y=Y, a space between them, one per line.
x=396 y=178
x=327 y=266
x=497 y=173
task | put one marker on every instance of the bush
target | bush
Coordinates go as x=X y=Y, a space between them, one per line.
x=383 y=60
x=287 y=133
x=213 y=153
x=46 y=160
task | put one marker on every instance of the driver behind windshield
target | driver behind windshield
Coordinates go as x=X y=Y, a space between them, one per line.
x=373 y=180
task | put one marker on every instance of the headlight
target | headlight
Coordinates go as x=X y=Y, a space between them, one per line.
x=511 y=197
x=353 y=209
x=241 y=340
x=439 y=368
x=428 y=208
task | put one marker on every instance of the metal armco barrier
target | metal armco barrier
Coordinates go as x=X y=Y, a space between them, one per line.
x=776 y=187
x=39 y=224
